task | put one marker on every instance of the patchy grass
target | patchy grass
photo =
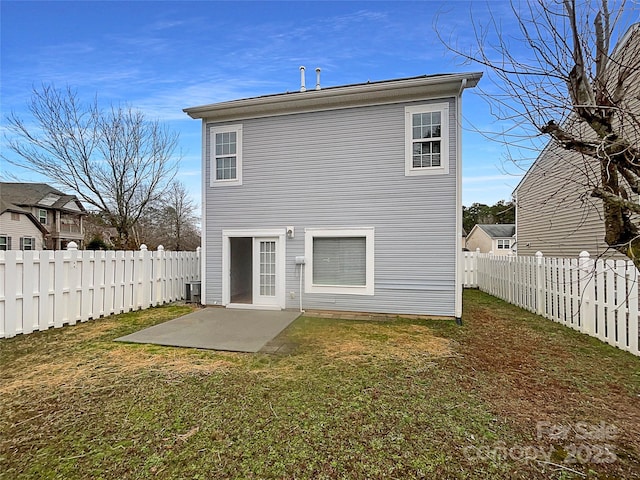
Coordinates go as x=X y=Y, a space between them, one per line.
x=355 y=399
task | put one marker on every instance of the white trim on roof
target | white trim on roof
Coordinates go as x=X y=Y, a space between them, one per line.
x=333 y=98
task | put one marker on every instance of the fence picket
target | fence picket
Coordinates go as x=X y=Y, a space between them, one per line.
x=43 y=289
x=596 y=297
x=10 y=301
x=620 y=323
x=28 y=317
x=632 y=309
x=87 y=283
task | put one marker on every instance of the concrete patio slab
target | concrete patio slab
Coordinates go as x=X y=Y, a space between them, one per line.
x=218 y=329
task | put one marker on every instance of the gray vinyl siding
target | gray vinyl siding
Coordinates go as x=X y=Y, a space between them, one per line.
x=555 y=213
x=344 y=168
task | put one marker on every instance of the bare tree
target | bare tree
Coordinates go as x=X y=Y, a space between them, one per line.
x=180 y=214
x=575 y=88
x=170 y=221
x=115 y=160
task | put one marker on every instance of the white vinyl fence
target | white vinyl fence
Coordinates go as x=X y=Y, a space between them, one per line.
x=596 y=297
x=40 y=289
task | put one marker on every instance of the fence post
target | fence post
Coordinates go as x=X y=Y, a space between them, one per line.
x=539 y=286
x=586 y=305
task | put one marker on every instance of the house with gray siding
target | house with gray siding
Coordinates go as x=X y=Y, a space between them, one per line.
x=555 y=212
x=343 y=198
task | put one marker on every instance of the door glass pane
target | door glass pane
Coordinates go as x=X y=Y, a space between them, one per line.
x=268 y=268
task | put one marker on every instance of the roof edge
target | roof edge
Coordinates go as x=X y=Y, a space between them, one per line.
x=371 y=93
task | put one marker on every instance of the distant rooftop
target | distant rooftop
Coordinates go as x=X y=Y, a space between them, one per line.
x=14 y=195
x=504 y=230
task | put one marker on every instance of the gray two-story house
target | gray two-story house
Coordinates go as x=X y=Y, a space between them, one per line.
x=343 y=198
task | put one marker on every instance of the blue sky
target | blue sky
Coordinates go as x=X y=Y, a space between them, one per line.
x=164 y=56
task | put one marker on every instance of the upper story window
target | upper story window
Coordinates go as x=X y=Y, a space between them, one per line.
x=5 y=242
x=226 y=157
x=427 y=139
x=42 y=216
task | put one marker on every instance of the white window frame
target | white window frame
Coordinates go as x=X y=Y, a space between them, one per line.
x=367 y=233
x=281 y=254
x=409 y=111
x=215 y=182
x=501 y=242
x=32 y=243
x=42 y=213
x=6 y=244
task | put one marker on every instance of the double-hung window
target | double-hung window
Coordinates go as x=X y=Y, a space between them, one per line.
x=427 y=139
x=5 y=242
x=42 y=216
x=27 y=243
x=339 y=261
x=504 y=244
x=226 y=155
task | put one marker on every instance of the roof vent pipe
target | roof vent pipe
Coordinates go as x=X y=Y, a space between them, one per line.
x=318 y=78
x=302 y=87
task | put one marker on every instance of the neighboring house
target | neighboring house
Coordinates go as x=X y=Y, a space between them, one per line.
x=496 y=238
x=19 y=229
x=555 y=213
x=36 y=216
x=361 y=183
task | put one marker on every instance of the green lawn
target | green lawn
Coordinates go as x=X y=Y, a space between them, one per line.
x=507 y=395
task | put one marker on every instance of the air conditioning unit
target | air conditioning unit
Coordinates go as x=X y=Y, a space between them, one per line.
x=192 y=292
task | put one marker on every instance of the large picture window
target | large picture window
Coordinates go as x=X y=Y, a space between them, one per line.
x=427 y=139
x=340 y=261
x=226 y=155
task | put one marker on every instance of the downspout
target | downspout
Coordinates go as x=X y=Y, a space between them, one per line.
x=458 y=255
x=301 y=272
x=514 y=199
x=203 y=219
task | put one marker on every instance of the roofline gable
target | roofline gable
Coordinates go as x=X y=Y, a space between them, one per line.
x=480 y=226
x=27 y=214
x=36 y=193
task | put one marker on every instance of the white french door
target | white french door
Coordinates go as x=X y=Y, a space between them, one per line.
x=253 y=268
x=265 y=271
